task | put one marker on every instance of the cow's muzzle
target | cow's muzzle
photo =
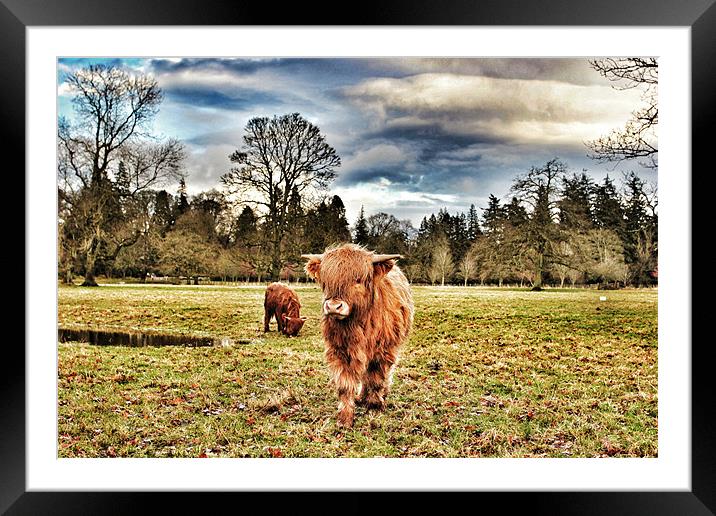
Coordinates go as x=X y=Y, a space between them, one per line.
x=336 y=308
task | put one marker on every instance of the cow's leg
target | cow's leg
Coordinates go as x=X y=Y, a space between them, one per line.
x=376 y=381
x=346 y=378
x=374 y=384
x=267 y=318
x=279 y=320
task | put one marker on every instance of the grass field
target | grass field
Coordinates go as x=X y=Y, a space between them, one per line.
x=487 y=372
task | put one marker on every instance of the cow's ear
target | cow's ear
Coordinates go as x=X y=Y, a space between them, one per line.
x=382 y=268
x=313 y=267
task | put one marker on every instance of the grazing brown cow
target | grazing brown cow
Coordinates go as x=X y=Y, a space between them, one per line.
x=367 y=316
x=282 y=302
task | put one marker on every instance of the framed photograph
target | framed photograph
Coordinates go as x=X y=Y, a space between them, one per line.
x=428 y=129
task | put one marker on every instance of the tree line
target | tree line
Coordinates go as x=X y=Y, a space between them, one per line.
x=577 y=232
x=116 y=217
x=556 y=228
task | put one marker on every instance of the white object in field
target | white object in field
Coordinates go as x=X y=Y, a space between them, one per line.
x=602 y=298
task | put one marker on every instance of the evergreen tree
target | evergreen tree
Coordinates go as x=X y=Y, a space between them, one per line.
x=337 y=221
x=245 y=226
x=493 y=215
x=608 y=211
x=122 y=180
x=326 y=225
x=313 y=230
x=182 y=205
x=295 y=211
x=575 y=206
x=422 y=248
x=295 y=220
x=163 y=216
x=640 y=230
x=515 y=213
x=636 y=217
x=361 y=229
x=473 y=224
x=458 y=237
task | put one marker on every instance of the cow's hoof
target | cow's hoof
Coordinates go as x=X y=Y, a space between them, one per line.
x=345 y=420
x=374 y=402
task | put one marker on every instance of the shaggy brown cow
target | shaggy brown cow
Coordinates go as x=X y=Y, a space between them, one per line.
x=367 y=315
x=282 y=302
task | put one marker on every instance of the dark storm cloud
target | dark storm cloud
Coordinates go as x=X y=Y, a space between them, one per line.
x=324 y=72
x=432 y=134
x=179 y=65
x=228 y=137
x=432 y=160
x=569 y=70
x=393 y=174
x=432 y=139
x=208 y=97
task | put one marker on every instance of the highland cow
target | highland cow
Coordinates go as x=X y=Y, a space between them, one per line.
x=282 y=302
x=367 y=316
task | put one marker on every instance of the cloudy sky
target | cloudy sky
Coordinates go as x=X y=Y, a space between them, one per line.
x=414 y=135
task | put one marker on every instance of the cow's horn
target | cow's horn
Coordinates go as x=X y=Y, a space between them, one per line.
x=383 y=257
x=312 y=256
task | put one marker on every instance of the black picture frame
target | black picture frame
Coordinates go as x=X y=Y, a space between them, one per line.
x=699 y=15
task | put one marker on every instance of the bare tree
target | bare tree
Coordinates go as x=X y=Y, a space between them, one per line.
x=607 y=255
x=442 y=265
x=646 y=256
x=566 y=267
x=468 y=265
x=539 y=190
x=433 y=273
x=638 y=138
x=481 y=250
x=106 y=157
x=385 y=233
x=412 y=271
x=280 y=155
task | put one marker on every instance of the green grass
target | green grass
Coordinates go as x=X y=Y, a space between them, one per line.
x=487 y=372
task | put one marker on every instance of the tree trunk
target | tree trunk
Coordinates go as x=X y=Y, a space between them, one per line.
x=90 y=280
x=275 y=272
x=537 y=285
